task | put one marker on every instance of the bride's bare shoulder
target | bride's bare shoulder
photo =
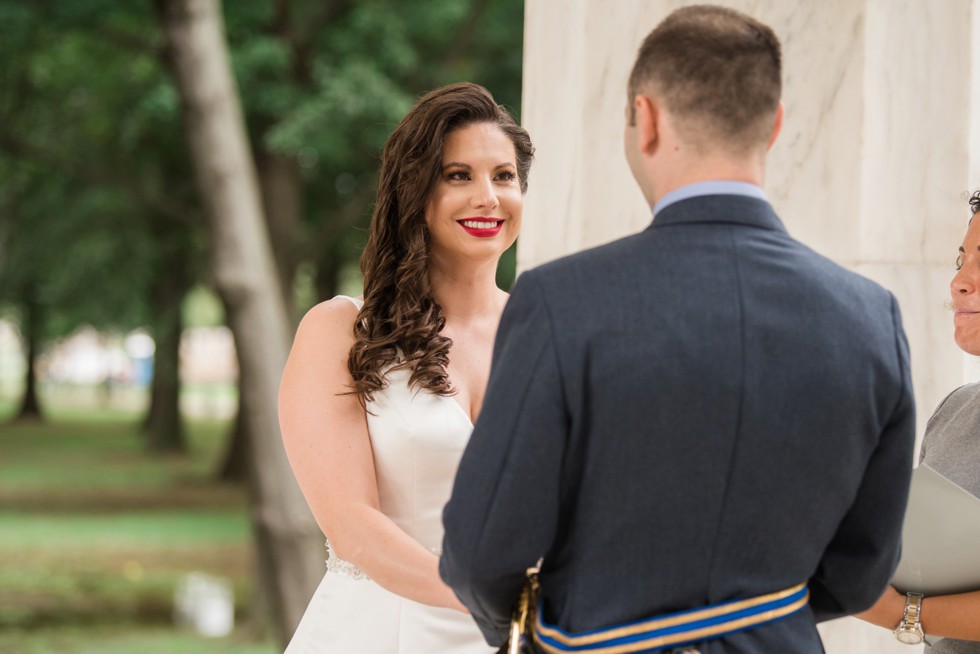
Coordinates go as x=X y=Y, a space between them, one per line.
x=329 y=324
x=339 y=311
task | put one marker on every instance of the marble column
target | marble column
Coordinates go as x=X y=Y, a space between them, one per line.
x=879 y=151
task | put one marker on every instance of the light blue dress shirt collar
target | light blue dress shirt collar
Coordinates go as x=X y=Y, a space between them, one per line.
x=712 y=187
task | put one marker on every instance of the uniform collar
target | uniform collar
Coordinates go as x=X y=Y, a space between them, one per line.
x=709 y=187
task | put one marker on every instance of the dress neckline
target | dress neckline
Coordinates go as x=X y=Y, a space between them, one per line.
x=353 y=300
x=459 y=407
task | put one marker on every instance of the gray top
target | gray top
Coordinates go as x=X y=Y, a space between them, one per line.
x=952 y=448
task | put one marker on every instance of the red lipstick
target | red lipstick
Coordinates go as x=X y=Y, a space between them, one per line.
x=481 y=226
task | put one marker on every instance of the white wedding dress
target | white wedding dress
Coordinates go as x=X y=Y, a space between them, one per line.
x=418 y=439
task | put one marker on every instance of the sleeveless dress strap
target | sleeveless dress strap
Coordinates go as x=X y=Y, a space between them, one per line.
x=357 y=303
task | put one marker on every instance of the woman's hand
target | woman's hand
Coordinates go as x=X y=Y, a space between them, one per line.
x=949 y=616
x=887 y=612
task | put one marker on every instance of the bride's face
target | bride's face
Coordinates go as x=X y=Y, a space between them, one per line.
x=475 y=209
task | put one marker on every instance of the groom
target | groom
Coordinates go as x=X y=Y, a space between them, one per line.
x=706 y=417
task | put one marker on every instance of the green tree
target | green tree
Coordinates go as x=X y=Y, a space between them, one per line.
x=94 y=170
x=323 y=84
x=86 y=106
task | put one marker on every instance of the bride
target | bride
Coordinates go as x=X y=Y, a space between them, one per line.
x=379 y=395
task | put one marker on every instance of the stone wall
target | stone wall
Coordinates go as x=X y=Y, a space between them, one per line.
x=879 y=150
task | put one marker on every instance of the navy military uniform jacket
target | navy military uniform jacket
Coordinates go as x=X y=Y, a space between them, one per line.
x=702 y=412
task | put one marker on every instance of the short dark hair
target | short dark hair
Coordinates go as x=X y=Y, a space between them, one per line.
x=717 y=71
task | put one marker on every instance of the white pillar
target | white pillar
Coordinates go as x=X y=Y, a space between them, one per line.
x=879 y=150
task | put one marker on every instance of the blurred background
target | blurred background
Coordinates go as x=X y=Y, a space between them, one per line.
x=143 y=504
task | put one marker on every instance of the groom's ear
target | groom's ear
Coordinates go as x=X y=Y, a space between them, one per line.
x=777 y=125
x=648 y=117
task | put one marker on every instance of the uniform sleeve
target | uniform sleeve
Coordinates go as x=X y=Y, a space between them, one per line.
x=864 y=552
x=503 y=512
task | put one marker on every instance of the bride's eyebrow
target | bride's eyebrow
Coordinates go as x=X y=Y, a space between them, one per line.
x=455 y=164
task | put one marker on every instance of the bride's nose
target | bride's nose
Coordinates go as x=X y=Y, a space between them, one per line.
x=484 y=195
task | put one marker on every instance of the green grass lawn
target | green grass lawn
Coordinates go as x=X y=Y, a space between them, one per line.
x=123 y=640
x=96 y=532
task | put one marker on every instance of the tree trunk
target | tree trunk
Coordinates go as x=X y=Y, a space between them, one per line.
x=282 y=199
x=235 y=464
x=281 y=184
x=290 y=545
x=30 y=408
x=163 y=427
x=6 y=218
x=328 y=248
x=327 y=278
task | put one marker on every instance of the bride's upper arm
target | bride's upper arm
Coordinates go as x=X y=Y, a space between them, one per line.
x=324 y=431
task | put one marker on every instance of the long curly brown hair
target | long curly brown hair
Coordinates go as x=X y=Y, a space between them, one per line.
x=400 y=324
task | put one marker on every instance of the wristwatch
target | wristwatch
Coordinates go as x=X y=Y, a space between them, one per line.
x=909 y=630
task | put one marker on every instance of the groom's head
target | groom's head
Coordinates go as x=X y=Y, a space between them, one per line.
x=706 y=79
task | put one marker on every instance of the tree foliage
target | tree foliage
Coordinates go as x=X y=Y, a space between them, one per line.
x=96 y=193
x=100 y=215
x=100 y=220
x=324 y=83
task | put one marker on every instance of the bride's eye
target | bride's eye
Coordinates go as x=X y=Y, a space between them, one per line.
x=959 y=261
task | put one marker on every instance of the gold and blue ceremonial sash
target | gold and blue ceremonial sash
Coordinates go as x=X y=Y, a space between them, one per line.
x=675 y=629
